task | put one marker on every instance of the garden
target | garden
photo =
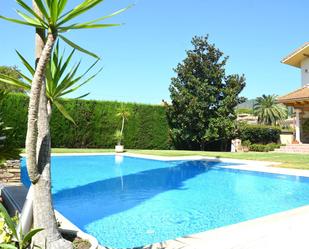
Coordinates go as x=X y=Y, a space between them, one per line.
x=37 y=115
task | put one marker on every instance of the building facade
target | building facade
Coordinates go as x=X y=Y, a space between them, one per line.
x=299 y=99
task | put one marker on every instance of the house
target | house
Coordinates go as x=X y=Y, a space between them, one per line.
x=299 y=99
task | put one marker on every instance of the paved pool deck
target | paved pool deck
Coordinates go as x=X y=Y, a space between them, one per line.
x=284 y=230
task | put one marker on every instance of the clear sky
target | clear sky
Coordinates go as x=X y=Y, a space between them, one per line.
x=138 y=58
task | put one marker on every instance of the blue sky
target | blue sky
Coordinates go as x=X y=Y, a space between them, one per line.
x=138 y=58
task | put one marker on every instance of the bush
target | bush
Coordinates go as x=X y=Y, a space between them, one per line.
x=10 y=237
x=96 y=122
x=8 y=146
x=259 y=134
x=264 y=147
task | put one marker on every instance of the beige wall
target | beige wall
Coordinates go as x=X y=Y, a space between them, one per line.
x=305 y=72
x=304 y=130
x=286 y=139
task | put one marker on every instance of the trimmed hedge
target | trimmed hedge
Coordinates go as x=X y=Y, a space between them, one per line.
x=259 y=134
x=264 y=147
x=96 y=123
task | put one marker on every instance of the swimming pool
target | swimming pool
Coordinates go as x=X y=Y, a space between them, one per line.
x=127 y=202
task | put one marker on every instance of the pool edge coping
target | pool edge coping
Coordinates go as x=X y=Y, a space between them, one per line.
x=223 y=237
x=66 y=226
x=249 y=165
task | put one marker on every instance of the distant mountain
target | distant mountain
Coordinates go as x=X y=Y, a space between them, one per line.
x=246 y=105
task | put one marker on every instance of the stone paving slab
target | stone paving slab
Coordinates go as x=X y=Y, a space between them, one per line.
x=286 y=230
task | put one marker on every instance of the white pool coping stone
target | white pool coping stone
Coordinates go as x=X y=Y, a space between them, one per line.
x=68 y=227
x=284 y=230
x=250 y=165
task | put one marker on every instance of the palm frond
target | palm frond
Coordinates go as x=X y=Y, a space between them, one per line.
x=60 y=78
x=74 y=45
x=14 y=82
x=268 y=111
x=53 y=20
x=64 y=112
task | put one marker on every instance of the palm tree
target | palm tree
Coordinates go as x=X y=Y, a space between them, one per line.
x=60 y=79
x=124 y=114
x=48 y=16
x=268 y=110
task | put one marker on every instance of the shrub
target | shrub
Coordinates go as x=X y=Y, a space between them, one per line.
x=8 y=148
x=273 y=146
x=10 y=238
x=246 y=143
x=96 y=122
x=263 y=147
x=6 y=234
x=259 y=134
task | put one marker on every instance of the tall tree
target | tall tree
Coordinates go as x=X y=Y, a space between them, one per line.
x=203 y=98
x=268 y=110
x=44 y=216
x=60 y=81
x=48 y=16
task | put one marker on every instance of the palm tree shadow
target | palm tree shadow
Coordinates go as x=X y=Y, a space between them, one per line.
x=97 y=200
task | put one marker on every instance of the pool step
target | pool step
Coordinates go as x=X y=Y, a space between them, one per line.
x=294 y=148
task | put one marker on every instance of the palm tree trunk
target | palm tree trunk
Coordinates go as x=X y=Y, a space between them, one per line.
x=43 y=211
x=122 y=126
x=32 y=131
x=44 y=216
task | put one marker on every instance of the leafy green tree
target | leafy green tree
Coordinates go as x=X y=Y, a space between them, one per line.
x=269 y=111
x=203 y=98
x=52 y=21
x=12 y=72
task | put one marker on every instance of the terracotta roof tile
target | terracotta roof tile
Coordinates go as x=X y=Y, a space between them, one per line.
x=298 y=95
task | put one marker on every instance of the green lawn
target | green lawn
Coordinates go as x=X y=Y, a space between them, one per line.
x=69 y=150
x=298 y=161
x=65 y=150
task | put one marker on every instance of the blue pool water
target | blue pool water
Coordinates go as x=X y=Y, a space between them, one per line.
x=127 y=202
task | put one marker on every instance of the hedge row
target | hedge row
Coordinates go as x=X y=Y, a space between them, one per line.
x=96 y=123
x=264 y=147
x=259 y=134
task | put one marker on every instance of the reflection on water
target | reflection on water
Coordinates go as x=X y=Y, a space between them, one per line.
x=118 y=159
